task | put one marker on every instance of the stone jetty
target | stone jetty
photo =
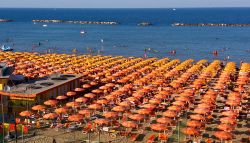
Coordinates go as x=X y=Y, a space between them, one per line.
x=77 y=22
x=211 y=25
x=5 y=20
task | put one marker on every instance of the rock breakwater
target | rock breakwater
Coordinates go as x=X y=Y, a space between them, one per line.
x=211 y=24
x=77 y=22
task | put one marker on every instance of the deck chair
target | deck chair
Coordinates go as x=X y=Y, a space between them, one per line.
x=151 y=139
x=134 y=137
x=163 y=137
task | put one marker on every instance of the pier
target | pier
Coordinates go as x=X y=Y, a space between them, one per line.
x=211 y=24
x=77 y=22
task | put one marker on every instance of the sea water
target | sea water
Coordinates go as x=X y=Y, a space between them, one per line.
x=127 y=38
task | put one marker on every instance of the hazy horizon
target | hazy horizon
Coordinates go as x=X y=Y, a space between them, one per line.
x=113 y=7
x=124 y=4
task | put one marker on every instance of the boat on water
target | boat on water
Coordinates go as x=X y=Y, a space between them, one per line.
x=6 y=48
x=45 y=25
x=174 y=9
x=83 y=32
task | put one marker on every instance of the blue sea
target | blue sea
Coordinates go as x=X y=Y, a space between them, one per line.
x=127 y=38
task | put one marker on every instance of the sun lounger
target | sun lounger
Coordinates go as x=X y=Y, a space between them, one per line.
x=151 y=139
x=163 y=137
x=134 y=137
x=86 y=129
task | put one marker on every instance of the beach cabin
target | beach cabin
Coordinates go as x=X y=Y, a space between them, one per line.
x=37 y=91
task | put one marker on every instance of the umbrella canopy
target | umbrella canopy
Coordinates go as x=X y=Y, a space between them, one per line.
x=179 y=103
x=110 y=84
x=204 y=105
x=51 y=102
x=222 y=135
x=194 y=124
x=143 y=111
x=133 y=99
x=102 y=101
x=38 y=107
x=93 y=83
x=158 y=127
x=71 y=93
x=90 y=95
x=95 y=106
x=110 y=114
x=233 y=103
x=225 y=127
x=86 y=86
x=72 y=104
x=170 y=114
x=138 y=95
x=164 y=120
x=104 y=87
x=75 y=118
x=129 y=124
x=197 y=117
x=229 y=113
x=61 y=97
x=174 y=108
x=182 y=98
x=124 y=104
x=154 y=101
x=81 y=100
x=101 y=121
x=50 y=116
x=228 y=120
x=160 y=96
x=25 y=113
x=118 y=108
x=136 y=117
x=110 y=97
x=148 y=106
x=201 y=110
x=85 y=112
x=164 y=92
x=97 y=91
x=79 y=89
x=190 y=131
x=61 y=110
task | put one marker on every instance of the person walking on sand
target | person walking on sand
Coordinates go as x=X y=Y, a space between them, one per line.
x=54 y=140
x=74 y=51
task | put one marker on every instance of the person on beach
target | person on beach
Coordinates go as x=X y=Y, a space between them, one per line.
x=54 y=140
x=74 y=51
x=145 y=53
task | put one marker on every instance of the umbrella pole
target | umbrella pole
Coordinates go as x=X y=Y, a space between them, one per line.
x=89 y=137
x=2 y=116
x=178 y=131
x=22 y=135
x=99 y=136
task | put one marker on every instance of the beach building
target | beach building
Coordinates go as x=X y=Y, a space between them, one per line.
x=36 y=91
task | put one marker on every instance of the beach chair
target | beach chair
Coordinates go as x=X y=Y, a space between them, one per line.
x=124 y=133
x=87 y=128
x=163 y=137
x=133 y=137
x=151 y=139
